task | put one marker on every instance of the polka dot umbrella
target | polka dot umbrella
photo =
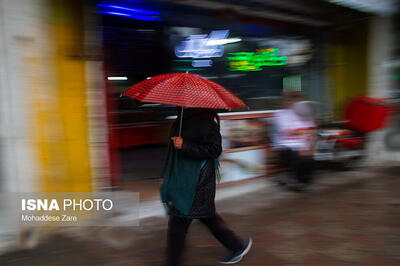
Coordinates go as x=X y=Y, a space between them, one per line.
x=185 y=90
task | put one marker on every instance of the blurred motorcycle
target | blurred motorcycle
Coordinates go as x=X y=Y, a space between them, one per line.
x=343 y=144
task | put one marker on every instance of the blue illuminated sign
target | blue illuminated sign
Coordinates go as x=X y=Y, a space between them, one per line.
x=134 y=10
x=202 y=63
x=129 y=12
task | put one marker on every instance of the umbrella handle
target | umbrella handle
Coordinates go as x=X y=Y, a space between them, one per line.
x=180 y=123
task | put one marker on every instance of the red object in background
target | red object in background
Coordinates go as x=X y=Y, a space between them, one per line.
x=351 y=143
x=366 y=114
x=146 y=133
x=184 y=89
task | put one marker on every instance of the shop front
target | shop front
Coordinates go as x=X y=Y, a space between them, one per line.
x=256 y=61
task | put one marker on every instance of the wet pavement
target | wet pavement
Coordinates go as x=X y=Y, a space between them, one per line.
x=346 y=218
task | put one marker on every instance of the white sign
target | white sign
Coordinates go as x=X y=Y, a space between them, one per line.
x=203 y=45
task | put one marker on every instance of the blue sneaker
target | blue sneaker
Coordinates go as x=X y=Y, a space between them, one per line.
x=235 y=257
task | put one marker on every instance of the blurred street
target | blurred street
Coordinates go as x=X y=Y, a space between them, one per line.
x=284 y=115
x=346 y=218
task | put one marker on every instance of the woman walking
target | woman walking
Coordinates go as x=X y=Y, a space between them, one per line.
x=189 y=181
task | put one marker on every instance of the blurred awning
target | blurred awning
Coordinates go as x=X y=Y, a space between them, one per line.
x=316 y=13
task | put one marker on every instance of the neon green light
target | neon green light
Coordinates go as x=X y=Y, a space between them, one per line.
x=250 y=61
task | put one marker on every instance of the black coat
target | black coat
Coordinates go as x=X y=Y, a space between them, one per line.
x=204 y=200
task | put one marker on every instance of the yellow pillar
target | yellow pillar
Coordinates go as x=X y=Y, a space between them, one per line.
x=61 y=122
x=347 y=65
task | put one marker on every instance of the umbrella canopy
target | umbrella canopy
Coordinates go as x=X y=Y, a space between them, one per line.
x=184 y=89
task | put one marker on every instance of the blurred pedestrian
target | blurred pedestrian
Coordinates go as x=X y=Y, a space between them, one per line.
x=295 y=140
x=189 y=182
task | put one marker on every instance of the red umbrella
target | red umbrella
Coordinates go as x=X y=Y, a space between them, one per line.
x=185 y=90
